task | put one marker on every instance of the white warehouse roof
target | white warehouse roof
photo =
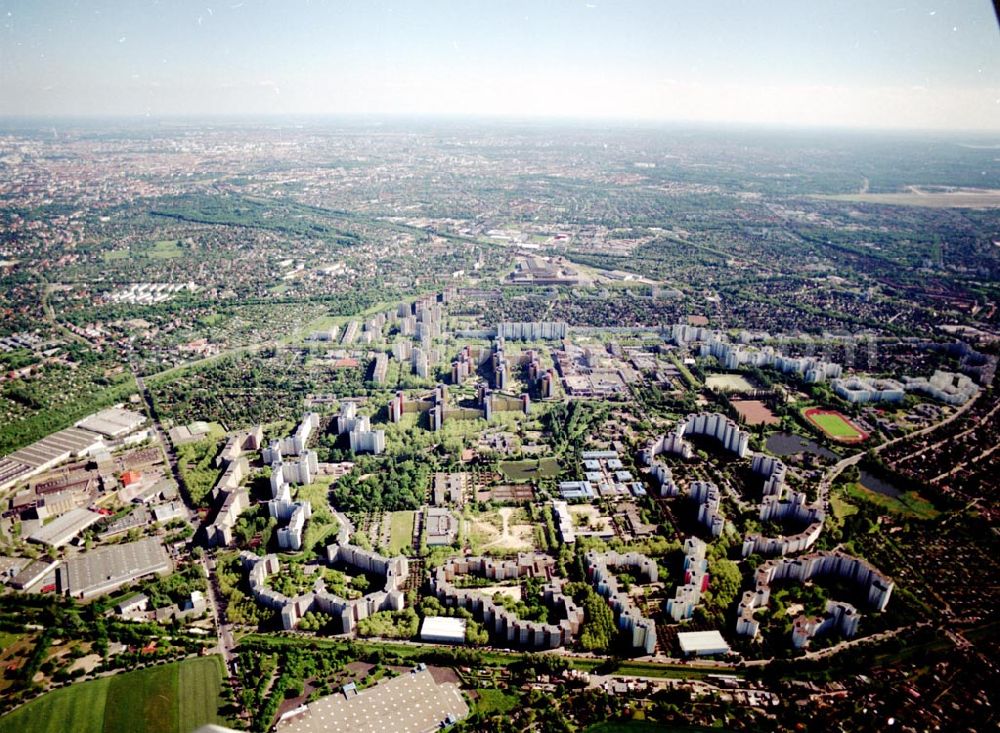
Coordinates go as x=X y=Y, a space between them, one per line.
x=702 y=643
x=443 y=629
x=113 y=422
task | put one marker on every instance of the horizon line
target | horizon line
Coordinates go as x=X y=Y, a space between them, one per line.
x=379 y=117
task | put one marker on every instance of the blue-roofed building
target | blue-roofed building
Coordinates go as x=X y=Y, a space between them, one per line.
x=576 y=490
x=600 y=455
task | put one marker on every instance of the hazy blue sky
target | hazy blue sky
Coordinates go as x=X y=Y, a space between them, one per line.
x=881 y=63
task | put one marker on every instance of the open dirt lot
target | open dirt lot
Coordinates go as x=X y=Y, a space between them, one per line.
x=755 y=412
x=498 y=531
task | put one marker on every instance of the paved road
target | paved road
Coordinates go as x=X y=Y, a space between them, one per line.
x=168 y=448
x=847 y=643
x=225 y=642
x=157 y=429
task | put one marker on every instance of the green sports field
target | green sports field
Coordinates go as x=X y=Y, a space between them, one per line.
x=169 y=698
x=165 y=249
x=834 y=424
x=401 y=535
x=530 y=468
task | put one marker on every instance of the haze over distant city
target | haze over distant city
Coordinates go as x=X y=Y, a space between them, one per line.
x=854 y=63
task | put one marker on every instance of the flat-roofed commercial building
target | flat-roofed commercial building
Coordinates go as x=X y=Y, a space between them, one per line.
x=113 y=422
x=11 y=472
x=443 y=630
x=58 y=447
x=45 y=453
x=33 y=573
x=410 y=703
x=63 y=529
x=108 y=568
x=702 y=643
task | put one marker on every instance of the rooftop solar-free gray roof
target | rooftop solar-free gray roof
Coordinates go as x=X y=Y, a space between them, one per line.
x=410 y=703
x=107 y=568
x=52 y=447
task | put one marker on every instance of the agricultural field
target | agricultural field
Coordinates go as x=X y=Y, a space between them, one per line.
x=834 y=425
x=164 y=249
x=112 y=255
x=171 y=698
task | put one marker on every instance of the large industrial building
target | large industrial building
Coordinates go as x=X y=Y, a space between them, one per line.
x=113 y=423
x=62 y=530
x=109 y=568
x=45 y=453
x=410 y=703
x=87 y=438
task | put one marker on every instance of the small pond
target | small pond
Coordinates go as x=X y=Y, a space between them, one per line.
x=879 y=486
x=788 y=444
